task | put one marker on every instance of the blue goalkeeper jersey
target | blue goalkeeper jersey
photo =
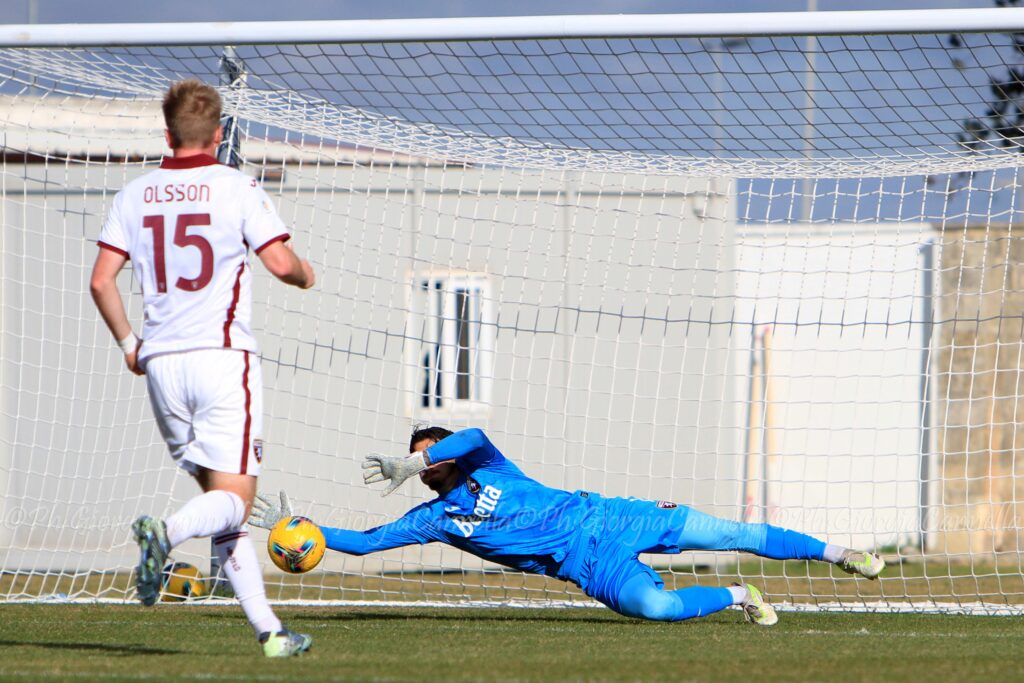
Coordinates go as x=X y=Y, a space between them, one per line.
x=495 y=512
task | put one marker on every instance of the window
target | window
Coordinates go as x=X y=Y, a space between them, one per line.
x=453 y=357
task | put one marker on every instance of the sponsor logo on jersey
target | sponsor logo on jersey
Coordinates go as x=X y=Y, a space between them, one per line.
x=666 y=504
x=257 y=449
x=486 y=503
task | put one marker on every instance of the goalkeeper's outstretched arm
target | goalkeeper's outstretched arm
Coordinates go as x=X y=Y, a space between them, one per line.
x=471 y=444
x=470 y=448
x=384 y=537
x=416 y=526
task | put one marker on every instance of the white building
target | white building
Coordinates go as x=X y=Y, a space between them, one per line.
x=597 y=325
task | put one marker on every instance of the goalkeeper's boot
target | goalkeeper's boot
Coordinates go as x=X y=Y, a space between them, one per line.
x=151 y=535
x=756 y=610
x=868 y=565
x=284 y=643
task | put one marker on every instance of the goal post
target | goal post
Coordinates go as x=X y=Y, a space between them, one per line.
x=674 y=257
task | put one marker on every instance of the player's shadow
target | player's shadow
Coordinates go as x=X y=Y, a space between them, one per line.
x=115 y=650
x=360 y=615
x=608 y=618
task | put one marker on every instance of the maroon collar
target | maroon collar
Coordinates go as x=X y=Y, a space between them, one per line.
x=194 y=161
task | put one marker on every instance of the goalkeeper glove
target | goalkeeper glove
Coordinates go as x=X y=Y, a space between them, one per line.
x=397 y=468
x=266 y=512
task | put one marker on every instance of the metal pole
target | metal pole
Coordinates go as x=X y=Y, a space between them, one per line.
x=927 y=315
x=810 y=79
x=33 y=18
x=232 y=76
x=972 y=20
x=753 y=441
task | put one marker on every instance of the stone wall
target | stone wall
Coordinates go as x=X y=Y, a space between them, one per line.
x=977 y=367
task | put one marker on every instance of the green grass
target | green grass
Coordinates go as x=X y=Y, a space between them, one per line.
x=183 y=642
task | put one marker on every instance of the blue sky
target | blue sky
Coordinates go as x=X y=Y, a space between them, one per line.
x=90 y=11
x=686 y=137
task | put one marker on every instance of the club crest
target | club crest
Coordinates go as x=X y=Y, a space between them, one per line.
x=257 y=449
x=472 y=485
x=666 y=504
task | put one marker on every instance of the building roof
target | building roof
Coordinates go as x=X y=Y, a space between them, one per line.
x=56 y=126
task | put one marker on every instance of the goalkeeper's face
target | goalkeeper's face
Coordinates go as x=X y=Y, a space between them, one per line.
x=440 y=477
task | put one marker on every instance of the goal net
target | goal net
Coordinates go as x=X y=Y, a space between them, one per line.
x=777 y=278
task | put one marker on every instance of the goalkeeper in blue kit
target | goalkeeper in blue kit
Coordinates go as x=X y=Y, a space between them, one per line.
x=487 y=506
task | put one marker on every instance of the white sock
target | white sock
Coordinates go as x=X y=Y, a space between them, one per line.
x=205 y=515
x=833 y=553
x=238 y=561
x=739 y=594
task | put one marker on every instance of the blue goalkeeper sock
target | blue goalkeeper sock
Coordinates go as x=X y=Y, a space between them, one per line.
x=783 y=544
x=640 y=598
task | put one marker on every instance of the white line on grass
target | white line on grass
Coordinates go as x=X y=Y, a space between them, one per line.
x=904 y=634
x=971 y=608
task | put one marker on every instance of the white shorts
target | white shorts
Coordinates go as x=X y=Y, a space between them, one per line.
x=208 y=404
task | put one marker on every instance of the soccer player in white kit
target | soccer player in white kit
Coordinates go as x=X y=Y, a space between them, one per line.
x=187 y=228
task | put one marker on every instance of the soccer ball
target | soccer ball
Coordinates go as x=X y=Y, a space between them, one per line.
x=181 y=581
x=296 y=545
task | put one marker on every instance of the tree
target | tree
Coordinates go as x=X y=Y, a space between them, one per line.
x=1002 y=123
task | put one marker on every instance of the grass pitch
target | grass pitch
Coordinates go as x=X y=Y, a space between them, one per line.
x=203 y=643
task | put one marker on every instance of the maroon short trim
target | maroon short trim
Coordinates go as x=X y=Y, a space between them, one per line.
x=280 y=238
x=116 y=250
x=248 y=416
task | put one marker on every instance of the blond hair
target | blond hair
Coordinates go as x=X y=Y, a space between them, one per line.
x=192 y=113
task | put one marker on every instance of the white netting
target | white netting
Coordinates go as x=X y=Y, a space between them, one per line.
x=875 y=105
x=667 y=268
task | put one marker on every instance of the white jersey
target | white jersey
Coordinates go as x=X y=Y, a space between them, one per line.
x=187 y=228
